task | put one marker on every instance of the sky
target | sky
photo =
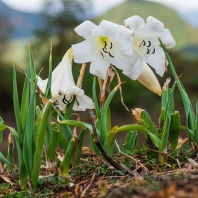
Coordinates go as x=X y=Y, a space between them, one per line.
x=101 y=5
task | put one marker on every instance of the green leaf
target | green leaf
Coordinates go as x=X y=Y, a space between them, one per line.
x=17 y=111
x=78 y=124
x=103 y=122
x=190 y=116
x=25 y=99
x=2 y=158
x=92 y=144
x=64 y=165
x=96 y=100
x=51 y=150
x=130 y=141
x=41 y=126
x=28 y=142
x=166 y=128
x=174 y=129
x=147 y=123
x=79 y=147
x=108 y=144
x=48 y=93
x=132 y=127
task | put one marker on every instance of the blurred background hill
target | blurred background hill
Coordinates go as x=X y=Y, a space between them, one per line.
x=50 y=25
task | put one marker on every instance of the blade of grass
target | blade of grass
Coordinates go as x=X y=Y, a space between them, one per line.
x=16 y=106
x=95 y=99
x=41 y=129
x=64 y=165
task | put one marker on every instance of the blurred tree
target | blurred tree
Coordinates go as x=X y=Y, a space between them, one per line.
x=62 y=17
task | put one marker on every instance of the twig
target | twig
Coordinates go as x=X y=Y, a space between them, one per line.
x=137 y=161
x=89 y=185
x=98 y=143
x=178 y=163
x=80 y=78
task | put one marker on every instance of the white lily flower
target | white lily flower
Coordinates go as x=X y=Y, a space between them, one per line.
x=101 y=47
x=149 y=80
x=63 y=87
x=145 y=45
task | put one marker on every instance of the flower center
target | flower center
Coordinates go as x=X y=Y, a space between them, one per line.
x=106 y=46
x=145 y=47
x=64 y=99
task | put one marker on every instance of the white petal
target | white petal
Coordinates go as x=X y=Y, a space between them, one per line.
x=167 y=39
x=84 y=103
x=126 y=48
x=135 y=71
x=107 y=29
x=149 y=80
x=85 y=51
x=123 y=33
x=157 y=60
x=135 y=22
x=151 y=29
x=86 y=29
x=120 y=60
x=99 y=67
x=41 y=84
x=74 y=90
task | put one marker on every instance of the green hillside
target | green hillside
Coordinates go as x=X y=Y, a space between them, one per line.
x=183 y=33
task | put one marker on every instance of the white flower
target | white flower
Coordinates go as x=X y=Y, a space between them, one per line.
x=145 y=45
x=149 y=80
x=101 y=47
x=63 y=87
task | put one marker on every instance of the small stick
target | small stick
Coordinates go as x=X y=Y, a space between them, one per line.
x=98 y=143
x=81 y=75
x=89 y=185
x=137 y=161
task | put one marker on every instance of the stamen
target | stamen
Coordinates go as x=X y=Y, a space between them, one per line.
x=111 y=55
x=102 y=54
x=105 y=44
x=111 y=45
x=104 y=50
x=148 y=51
x=65 y=101
x=149 y=44
x=143 y=42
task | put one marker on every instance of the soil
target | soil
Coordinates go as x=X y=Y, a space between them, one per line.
x=94 y=177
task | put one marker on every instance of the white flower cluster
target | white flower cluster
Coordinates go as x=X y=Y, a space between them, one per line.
x=130 y=48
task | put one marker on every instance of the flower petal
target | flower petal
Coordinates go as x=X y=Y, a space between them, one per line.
x=157 y=60
x=153 y=28
x=149 y=80
x=122 y=61
x=84 y=103
x=86 y=29
x=74 y=90
x=123 y=33
x=135 y=71
x=135 y=22
x=167 y=39
x=99 y=67
x=41 y=84
x=107 y=29
x=85 y=51
x=126 y=47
